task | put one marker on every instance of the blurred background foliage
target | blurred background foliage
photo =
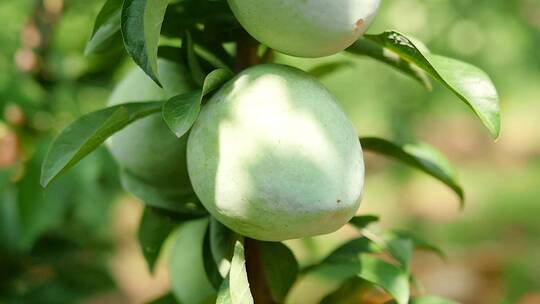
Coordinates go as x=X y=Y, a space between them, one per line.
x=72 y=242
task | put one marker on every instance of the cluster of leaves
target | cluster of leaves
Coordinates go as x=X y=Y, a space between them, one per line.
x=215 y=265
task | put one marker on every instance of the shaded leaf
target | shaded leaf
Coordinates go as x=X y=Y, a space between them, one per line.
x=222 y=241
x=191 y=59
x=351 y=249
x=328 y=68
x=418 y=242
x=421 y=157
x=106 y=27
x=181 y=112
x=280 y=268
x=89 y=132
x=469 y=83
x=172 y=199
x=167 y=298
x=141 y=22
x=361 y=222
x=347 y=292
x=154 y=228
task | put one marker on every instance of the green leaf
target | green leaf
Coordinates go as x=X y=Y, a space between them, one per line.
x=418 y=242
x=361 y=222
x=89 y=132
x=348 y=292
x=351 y=249
x=167 y=298
x=421 y=157
x=189 y=283
x=469 y=83
x=224 y=293
x=388 y=276
x=141 y=22
x=106 y=28
x=154 y=228
x=238 y=279
x=402 y=250
x=222 y=242
x=427 y=300
x=328 y=68
x=181 y=112
x=191 y=59
x=280 y=268
x=218 y=251
x=177 y=200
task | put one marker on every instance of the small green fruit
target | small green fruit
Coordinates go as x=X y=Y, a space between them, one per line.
x=273 y=157
x=147 y=148
x=302 y=28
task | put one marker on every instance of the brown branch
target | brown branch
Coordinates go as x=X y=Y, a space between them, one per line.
x=255 y=269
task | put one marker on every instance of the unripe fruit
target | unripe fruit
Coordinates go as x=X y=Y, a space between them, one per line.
x=147 y=148
x=273 y=157
x=313 y=28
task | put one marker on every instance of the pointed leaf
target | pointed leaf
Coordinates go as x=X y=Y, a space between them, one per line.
x=181 y=112
x=328 y=68
x=106 y=28
x=224 y=293
x=421 y=157
x=388 y=276
x=154 y=228
x=361 y=222
x=238 y=279
x=418 y=242
x=191 y=59
x=141 y=22
x=222 y=242
x=89 y=132
x=470 y=84
x=280 y=268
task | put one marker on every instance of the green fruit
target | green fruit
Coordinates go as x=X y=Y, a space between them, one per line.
x=313 y=28
x=147 y=148
x=273 y=157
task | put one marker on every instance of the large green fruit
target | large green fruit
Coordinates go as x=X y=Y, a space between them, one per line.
x=273 y=157
x=306 y=28
x=147 y=148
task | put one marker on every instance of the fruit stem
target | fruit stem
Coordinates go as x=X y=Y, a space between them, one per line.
x=246 y=52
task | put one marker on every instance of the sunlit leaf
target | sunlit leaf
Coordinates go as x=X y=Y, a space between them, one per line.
x=89 y=132
x=472 y=85
x=181 y=112
x=238 y=280
x=419 y=156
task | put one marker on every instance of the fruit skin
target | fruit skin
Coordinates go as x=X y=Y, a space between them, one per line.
x=147 y=148
x=306 y=28
x=273 y=157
